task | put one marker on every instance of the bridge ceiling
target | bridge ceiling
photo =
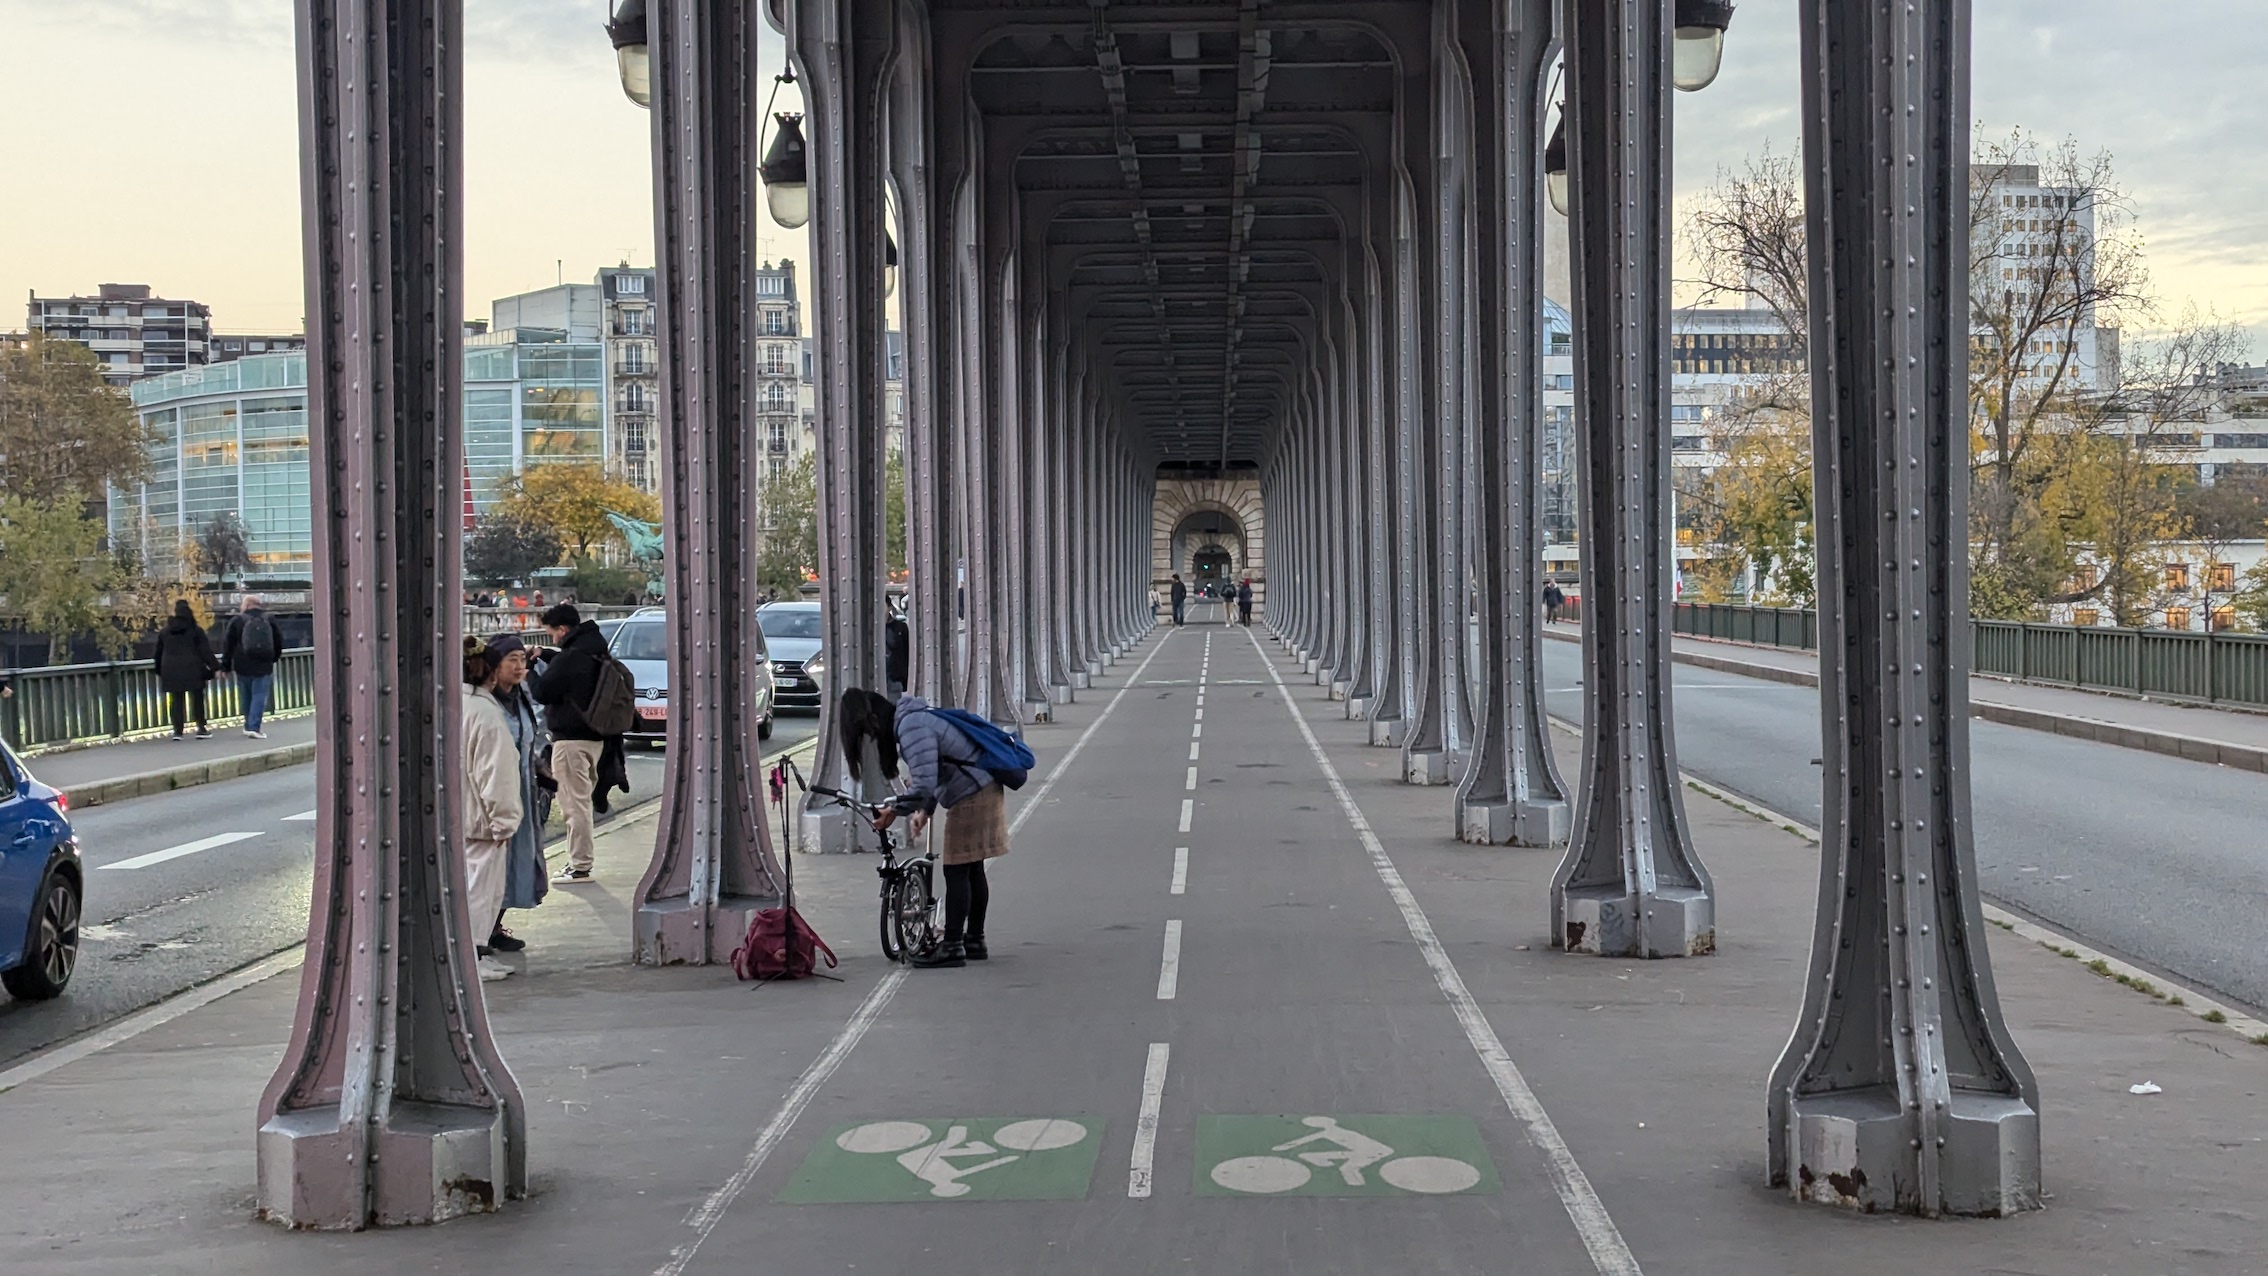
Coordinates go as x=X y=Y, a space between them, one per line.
x=1198 y=170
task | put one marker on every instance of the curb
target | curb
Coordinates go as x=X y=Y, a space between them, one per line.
x=182 y=777
x=2243 y=757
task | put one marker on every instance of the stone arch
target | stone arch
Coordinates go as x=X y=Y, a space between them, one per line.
x=1181 y=512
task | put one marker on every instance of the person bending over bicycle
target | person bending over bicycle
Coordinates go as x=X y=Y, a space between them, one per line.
x=976 y=807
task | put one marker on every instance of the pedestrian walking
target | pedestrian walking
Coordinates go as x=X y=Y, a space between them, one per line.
x=250 y=650
x=565 y=688
x=897 y=653
x=526 y=875
x=933 y=753
x=492 y=808
x=1180 y=598
x=1553 y=600
x=185 y=663
x=1155 y=599
x=1244 y=602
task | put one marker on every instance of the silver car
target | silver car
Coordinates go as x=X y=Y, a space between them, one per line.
x=793 y=632
x=641 y=643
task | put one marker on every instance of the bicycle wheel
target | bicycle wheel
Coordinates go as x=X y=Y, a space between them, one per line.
x=891 y=887
x=917 y=912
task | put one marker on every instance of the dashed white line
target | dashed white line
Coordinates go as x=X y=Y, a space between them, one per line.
x=1191 y=783
x=176 y=852
x=1180 y=869
x=1193 y=751
x=1197 y=732
x=1200 y=713
x=1610 y=1254
x=1146 y=1125
x=1169 y=972
x=1188 y=808
x=308 y=816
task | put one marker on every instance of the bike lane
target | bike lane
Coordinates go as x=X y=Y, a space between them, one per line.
x=1212 y=1050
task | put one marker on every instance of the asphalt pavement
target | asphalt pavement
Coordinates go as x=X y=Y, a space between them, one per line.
x=2152 y=857
x=186 y=886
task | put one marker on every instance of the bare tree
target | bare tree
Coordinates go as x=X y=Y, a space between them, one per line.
x=1746 y=239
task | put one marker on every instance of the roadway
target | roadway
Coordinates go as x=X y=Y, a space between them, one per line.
x=186 y=886
x=2144 y=855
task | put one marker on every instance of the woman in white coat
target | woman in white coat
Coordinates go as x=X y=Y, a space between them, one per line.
x=492 y=804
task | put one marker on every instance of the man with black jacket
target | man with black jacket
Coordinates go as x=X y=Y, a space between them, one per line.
x=250 y=651
x=1180 y=597
x=565 y=687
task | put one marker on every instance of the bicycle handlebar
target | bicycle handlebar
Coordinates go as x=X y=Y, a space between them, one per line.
x=846 y=800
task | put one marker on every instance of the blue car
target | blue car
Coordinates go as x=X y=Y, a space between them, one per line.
x=40 y=885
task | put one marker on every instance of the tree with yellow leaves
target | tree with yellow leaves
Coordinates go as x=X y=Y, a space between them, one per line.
x=572 y=499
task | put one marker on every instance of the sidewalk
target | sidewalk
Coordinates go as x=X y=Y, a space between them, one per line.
x=2199 y=733
x=112 y=772
x=647 y=1088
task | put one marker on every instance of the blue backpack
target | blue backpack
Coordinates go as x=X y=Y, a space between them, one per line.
x=1000 y=754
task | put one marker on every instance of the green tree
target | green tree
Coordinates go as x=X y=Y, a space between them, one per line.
x=503 y=549
x=53 y=572
x=572 y=499
x=224 y=548
x=65 y=433
x=894 y=513
x=790 y=512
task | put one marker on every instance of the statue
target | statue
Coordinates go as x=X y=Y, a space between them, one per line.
x=645 y=542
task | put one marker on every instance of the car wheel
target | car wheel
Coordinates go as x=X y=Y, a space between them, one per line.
x=53 y=950
x=764 y=728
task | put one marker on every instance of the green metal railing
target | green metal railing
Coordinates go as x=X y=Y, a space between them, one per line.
x=2168 y=664
x=76 y=704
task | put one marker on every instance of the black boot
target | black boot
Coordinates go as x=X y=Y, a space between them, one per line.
x=943 y=956
x=973 y=948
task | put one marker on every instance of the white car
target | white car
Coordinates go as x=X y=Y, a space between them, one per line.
x=641 y=643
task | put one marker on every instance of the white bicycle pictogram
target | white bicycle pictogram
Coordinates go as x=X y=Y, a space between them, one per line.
x=1350 y=1152
x=932 y=1159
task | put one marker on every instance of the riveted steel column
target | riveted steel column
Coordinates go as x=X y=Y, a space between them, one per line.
x=1390 y=716
x=712 y=865
x=392 y=1105
x=845 y=49
x=1368 y=501
x=929 y=491
x=1511 y=790
x=1901 y=1089
x=1631 y=885
x=1429 y=754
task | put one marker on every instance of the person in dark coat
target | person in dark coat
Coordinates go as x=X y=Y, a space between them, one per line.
x=185 y=663
x=1553 y=600
x=1244 y=603
x=563 y=687
x=1179 y=597
x=250 y=651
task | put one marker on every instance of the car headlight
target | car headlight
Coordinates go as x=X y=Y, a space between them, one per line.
x=815 y=666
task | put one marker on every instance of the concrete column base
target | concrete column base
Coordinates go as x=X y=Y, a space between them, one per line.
x=1325 y=677
x=1678 y=922
x=1340 y=687
x=829 y=831
x=1081 y=679
x=1062 y=693
x=1857 y=1149
x=1094 y=669
x=1037 y=711
x=1389 y=733
x=429 y=1162
x=1310 y=664
x=1514 y=823
x=1430 y=766
x=1358 y=708
x=670 y=932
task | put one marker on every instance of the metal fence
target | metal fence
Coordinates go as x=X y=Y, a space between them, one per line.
x=71 y=704
x=2168 y=664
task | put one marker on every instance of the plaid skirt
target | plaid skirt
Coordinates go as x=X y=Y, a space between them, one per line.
x=977 y=829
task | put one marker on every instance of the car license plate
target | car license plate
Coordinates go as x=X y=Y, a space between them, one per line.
x=654 y=712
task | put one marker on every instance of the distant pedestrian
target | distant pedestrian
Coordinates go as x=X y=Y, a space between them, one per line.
x=1180 y=598
x=492 y=805
x=250 y=650
x=897 y=654
x=526 y=876
x=565 y=688
x=1553 y=600
x=1244 y=602
x=185 y=663
x=1155 y=600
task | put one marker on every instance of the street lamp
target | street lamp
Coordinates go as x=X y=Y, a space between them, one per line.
x=1699 y=49
x=627 y=28
x=1555 y=165
x=889 y=264
x=787 y=191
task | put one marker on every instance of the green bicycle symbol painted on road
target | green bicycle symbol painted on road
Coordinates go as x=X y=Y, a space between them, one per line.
x=954 y=1159
x=1341 y=1156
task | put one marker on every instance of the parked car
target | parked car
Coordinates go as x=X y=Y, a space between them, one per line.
x=641 y=643
x=794 y=633
x=41 y=885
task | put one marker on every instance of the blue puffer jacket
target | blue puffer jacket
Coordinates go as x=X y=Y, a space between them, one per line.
x=926 y=746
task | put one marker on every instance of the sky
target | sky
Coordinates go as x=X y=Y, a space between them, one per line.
x=155 y=141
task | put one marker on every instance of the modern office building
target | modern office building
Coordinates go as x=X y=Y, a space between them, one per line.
x=2035 y=238
x=134 y=333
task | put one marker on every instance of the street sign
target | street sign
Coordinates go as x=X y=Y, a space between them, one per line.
x=950 y=1159
x=1341 y=1156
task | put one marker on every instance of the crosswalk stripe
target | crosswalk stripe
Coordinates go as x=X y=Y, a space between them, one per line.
x=176 y=852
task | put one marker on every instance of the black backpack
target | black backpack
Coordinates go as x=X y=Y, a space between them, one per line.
x=258 y=640
x=613 y=707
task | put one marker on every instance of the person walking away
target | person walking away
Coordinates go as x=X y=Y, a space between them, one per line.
x=1553 y=600
x=897 y=653
x=1155 y=600
x=250 y=650
x=565 y=688
x=1244 y=602
x=932 y=751
x=526 y=876
x=1180 y=598
x=492 y=810
x=185 y=663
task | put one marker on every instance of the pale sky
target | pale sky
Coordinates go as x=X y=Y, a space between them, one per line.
x=155 y=141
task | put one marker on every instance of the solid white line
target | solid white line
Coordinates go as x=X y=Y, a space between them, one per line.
x=704 y=1219
x=141 y=1021
x=1609 y=1252
x=1188 y=808
x=176 y=852
x=303 y=815
x=1193 y=750
x=1192 y=781
x=1146 y=1125
x=1180 y=869
x=1169 y=974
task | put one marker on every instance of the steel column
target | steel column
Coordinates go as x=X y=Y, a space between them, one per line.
x=392 y=1105
x=1901 y=1088
x=1630 y=885
x=1429 y=144
x=1511 y=790
x=929 y=493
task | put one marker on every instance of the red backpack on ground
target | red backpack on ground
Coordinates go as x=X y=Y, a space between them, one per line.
x=780 y=945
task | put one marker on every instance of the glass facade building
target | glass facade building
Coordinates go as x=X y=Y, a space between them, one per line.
x=232 y=438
